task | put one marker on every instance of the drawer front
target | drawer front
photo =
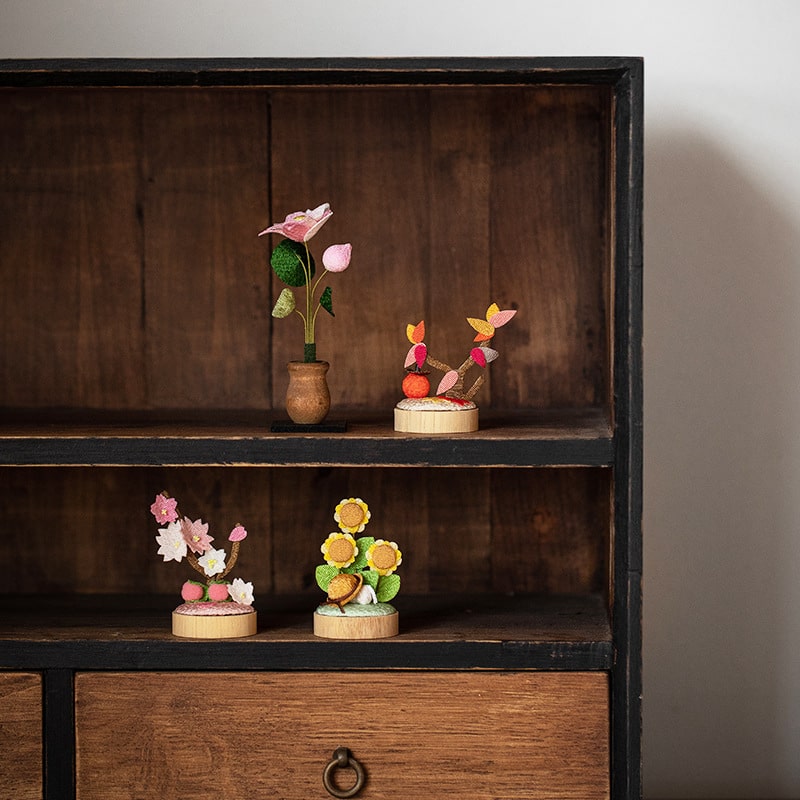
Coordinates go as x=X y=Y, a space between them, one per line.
x=21 y=735
x=270 y=735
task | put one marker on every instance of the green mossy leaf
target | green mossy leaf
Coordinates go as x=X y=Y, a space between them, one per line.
x=388 y=587
x=363 y=544
x=371 y=578
x=326 y=300
x=324 y=574
x=285 y=304
x=288 y=259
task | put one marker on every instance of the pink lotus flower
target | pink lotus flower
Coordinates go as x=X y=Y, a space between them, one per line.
x=337 y=257
x=237 y=534
x=163 y=509
x=302 y=225
x=196 y=535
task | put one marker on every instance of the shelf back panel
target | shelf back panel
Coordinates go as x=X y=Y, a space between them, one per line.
x=135 y=278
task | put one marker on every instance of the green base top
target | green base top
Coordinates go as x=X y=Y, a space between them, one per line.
x=356 y=610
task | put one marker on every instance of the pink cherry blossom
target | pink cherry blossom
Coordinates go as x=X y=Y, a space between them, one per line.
x=196 y=535
x=237 y=534
x=300 y=226
x=163 y=508
x=336 y=258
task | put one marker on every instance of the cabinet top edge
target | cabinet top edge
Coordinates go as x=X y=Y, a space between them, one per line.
x=314 y=71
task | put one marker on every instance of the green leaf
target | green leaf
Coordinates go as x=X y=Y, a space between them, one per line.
x=284 y=305
x=371 y=578
x=324 y=575
x=288 y=259
x=363 y=544
x=326 y=300
x=388 y=587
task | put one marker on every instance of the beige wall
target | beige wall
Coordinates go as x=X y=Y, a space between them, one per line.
x=722 y=316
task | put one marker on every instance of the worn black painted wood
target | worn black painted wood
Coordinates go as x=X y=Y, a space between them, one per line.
x=626 y=677
x=58 y=727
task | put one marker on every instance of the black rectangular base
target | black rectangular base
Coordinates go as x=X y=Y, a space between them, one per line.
x=287 y=426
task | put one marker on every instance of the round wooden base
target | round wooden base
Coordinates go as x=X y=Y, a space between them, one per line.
x=420 y=421
x=342 y=627
x=213 y=627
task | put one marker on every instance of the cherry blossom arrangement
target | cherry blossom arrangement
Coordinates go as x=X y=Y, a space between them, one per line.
x=359 y=571
x=183 y=538
x=292 y=262
x=451 y=386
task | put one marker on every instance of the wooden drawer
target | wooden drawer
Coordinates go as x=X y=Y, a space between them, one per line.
x=418 y=735
x=21 y=735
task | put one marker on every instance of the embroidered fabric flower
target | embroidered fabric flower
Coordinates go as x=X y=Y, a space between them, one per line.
x=164 y=509
x=196 y=535
x=352 y=514
x=384 y=557
x=171 y=541
x=237 y=534
x=339 y=549
x=212 y=562
x=337 y=257
x=241 y=592
x=300 y=226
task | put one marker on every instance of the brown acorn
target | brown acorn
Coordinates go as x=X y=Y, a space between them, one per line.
x=343 y=588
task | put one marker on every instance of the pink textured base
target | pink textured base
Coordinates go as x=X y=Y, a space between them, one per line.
x=210 y=609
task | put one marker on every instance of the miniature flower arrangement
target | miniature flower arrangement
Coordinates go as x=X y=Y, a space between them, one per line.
x=213 y=598
x=412 y=414
x=292 y=262
x=359 y=577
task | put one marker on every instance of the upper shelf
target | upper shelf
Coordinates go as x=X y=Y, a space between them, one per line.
x=515 y=439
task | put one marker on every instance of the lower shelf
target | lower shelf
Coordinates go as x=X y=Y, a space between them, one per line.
x=436 y=632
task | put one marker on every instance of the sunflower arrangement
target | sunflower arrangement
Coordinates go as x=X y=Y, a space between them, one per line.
x=372 y=561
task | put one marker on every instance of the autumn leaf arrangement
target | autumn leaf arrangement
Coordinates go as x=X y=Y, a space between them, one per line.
x=452 y=384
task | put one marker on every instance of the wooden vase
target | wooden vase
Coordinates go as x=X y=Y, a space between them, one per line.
x=308 y=399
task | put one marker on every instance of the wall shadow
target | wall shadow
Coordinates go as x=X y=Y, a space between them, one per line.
x=722 y=471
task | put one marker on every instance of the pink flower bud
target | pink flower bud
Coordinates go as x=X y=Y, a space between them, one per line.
x=337 y=257
x=237 y=534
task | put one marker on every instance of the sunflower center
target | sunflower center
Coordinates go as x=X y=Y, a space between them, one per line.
x=340 y=550
x=351 y=515
x=384 y=556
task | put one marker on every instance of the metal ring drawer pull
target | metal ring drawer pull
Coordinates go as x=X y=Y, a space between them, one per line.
x=342 y=760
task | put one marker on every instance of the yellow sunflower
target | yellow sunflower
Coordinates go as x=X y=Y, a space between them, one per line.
x=384 y=557
x=352 y=514
x=339 y=549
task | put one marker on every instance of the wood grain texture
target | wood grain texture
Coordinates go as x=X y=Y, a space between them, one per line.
x=70 y=245
x=21 y=735
x=420 y=735
x=468 y=529
x=205 y=189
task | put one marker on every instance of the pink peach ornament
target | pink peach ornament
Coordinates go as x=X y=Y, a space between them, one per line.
x=218 y=592
x=191 y=591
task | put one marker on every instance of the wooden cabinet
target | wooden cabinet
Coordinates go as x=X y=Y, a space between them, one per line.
x=138 y=354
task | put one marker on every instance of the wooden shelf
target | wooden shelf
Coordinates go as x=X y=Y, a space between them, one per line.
x=74 y=438
x=482 y=631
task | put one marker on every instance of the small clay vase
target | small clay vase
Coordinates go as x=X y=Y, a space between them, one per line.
x=308 y=399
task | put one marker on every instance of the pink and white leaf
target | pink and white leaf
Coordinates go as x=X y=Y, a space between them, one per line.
x=501 y=318
x=449 y=380
x=420 y=354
